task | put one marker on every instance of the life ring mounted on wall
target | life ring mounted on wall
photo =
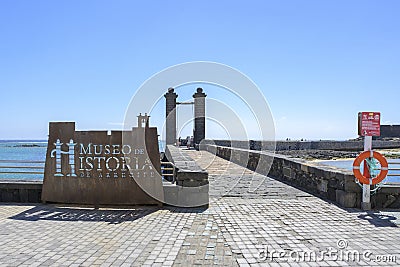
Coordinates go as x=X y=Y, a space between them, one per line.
x=370 y=154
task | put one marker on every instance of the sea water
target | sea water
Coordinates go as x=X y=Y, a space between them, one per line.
x=17 y=153
x=22 y=151
x=348 y=165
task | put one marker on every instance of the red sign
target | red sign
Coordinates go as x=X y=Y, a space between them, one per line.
x=369 y=123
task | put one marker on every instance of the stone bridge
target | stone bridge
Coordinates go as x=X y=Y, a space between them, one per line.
x=272 y=225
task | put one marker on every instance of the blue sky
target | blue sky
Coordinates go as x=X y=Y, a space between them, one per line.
x=317 y=62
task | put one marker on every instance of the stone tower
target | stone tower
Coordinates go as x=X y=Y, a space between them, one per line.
x=143 y=121
x=170 y=124
x=199 y=116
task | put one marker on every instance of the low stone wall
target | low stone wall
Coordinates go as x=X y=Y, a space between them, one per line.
x=327 y=182
x=301 y=145
x=188 y=173
x=192 y=187
x=21 y=191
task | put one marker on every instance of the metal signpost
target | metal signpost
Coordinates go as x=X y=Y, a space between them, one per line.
x=368 y=126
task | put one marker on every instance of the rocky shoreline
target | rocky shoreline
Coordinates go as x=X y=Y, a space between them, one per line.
x=318 y=154
x=312 y=154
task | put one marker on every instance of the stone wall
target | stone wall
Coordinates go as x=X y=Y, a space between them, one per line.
x=301 y=145
x=191 y=185
x=188 y=172
x=20 y=191
x=327 y=182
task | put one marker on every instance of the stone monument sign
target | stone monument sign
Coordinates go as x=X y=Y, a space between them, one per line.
x=94 y=167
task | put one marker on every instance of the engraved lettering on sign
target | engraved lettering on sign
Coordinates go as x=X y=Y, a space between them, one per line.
x=57 y=152
x=93 y=159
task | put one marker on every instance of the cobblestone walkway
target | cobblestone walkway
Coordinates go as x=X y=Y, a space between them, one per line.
x=276 y=225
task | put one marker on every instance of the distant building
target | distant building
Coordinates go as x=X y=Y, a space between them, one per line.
x=390 y=131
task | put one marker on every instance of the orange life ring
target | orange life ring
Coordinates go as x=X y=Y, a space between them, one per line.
x=363 y=156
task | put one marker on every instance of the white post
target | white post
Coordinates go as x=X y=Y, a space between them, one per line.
x=366 y=201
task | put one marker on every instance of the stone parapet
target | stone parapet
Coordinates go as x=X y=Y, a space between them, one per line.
x=188 y=173
x=192 y=187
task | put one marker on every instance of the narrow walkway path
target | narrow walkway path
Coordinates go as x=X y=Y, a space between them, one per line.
x=231 y=180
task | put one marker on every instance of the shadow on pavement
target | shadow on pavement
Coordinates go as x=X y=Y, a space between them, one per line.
x=379 y=219
x=111 y=216
x=187 y=210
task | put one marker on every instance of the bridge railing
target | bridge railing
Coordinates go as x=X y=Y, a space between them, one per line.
x=393 y=169
x=20 y=168
x=168 y=171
